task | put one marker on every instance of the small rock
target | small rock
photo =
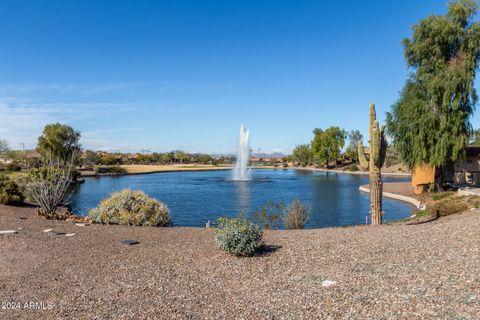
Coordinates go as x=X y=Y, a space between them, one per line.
x=69 y=234
x=8 y=231
x=47 y=230
x=82 y=224
x=129 y=242
x=328 y=283
x=56 y=233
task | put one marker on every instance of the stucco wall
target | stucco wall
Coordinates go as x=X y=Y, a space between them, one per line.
x=422 y=175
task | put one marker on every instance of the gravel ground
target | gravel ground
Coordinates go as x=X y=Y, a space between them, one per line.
x=428 y=271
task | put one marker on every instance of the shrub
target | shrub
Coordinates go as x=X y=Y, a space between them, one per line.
x=442 y=195
x=449 y=206
x=353 y=168
x=13 y=167
x=49 y=188
x=131 y=208
x=117 y=170
x=238 y=236
x=270 y=214
x=9 y=191
x=110 y=169
x=295 y=216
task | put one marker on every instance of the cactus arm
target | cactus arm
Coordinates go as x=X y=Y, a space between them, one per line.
x=361 y=156
x=383 y=147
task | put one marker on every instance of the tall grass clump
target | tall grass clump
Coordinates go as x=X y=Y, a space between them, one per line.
x=238 y=236
x=295 y=216
x=134 y=208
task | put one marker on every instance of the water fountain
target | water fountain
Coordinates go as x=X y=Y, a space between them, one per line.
x=241 y=170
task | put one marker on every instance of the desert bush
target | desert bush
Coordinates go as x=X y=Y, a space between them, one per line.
x=131 y=208
x=49 y=187
x=442 y=195
x=238 y=236
x=270 y=214
x=9 y=191
x=353 y=168
x=13 y=167
x=115 y=169
x=449 y=206
x=295 y=216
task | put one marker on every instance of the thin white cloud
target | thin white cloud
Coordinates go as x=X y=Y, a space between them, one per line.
x=22 y=121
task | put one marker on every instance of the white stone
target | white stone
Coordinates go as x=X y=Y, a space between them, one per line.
x=83 y=224
x=328 y=283
x=69 y=234
x=47 y=230
x=7 y=231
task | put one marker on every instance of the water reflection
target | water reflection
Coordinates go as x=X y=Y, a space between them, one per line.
x=242 y=191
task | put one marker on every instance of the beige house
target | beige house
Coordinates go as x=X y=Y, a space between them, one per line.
x=461 y=173
x=467 y=172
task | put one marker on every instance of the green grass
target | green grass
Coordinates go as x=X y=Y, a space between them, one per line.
x=442 y=195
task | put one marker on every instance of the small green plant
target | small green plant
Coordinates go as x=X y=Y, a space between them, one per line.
x=131 y=208
x=238 y=236
x=9 y=191
x=295 y=216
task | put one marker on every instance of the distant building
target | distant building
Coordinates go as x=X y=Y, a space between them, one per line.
x=460 y=173
x=467 y=172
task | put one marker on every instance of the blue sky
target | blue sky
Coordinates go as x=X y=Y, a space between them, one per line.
x=165 y=75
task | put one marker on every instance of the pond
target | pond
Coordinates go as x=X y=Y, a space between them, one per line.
x=196 y=197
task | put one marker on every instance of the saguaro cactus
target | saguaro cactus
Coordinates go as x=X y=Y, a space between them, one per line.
x=378 y=149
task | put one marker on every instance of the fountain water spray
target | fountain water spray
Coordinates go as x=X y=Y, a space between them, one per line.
x=241 y=170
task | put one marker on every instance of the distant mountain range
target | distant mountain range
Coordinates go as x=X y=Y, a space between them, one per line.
x=269 y=155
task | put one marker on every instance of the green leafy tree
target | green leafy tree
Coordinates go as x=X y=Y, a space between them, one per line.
x=182 y=156
x=90 y=157
x=303 y=154
x=430 y=123
x=167 y=158
x=327 y=144
x=354 y=137
x=59 y=141
x=109 y=159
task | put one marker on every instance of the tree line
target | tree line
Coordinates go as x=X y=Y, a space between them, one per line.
x=62 y=142
x=328 y=147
